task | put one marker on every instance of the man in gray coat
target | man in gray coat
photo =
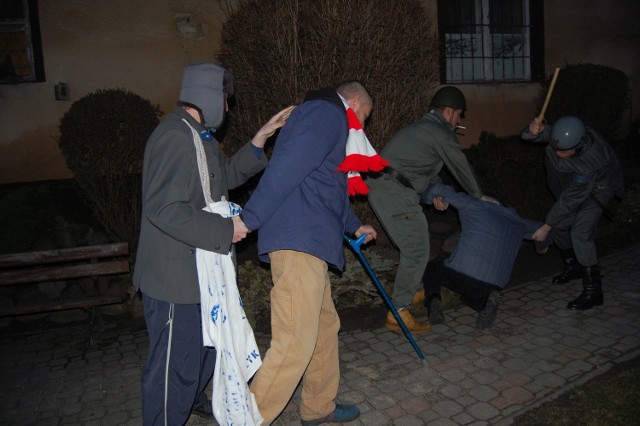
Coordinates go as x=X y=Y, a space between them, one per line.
x=173 y=225
x=584 y=174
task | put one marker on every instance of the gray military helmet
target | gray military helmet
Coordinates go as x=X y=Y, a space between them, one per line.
x=567 y=133
x=449 y=96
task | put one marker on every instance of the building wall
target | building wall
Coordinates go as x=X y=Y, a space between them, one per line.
x=140 y=46
x=599 y=32
x=576 y=31
x=91 y=45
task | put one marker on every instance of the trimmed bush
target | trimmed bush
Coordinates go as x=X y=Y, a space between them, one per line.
x=598 y=94
x=513 y=172
x=102 y=139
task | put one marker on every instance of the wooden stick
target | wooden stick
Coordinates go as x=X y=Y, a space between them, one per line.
x=546 y=101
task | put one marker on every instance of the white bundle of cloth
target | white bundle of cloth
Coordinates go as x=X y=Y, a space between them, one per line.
x=225 y=327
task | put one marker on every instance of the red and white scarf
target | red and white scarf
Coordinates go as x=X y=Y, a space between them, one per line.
x=361 y=157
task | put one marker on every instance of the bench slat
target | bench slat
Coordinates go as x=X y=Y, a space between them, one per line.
x=63 y=255
x=63 y=272
x=62 y=305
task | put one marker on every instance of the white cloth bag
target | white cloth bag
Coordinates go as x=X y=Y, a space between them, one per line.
x=225 y=327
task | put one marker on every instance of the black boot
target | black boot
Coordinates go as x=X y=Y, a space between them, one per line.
x=434 y=308
x=592 y=294
x=487 y=315
x=571 y=269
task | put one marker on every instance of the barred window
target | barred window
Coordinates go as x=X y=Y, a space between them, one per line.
x=20 y=44
x=492 y=41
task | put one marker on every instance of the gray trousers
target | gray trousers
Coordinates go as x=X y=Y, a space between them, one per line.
x=400 y=213
x=578 y=231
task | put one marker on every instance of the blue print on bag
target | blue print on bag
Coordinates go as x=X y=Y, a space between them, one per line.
x=234 y=209
x=234 y=401
x=253 y=355
x=214 y=313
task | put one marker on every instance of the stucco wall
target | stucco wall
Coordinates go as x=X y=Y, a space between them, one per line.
x=93 y=45
x=576 y=31
x=137 y=46
x=599 y=32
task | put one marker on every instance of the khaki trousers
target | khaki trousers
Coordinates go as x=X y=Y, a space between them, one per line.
x=400 y=213
x=304 y=339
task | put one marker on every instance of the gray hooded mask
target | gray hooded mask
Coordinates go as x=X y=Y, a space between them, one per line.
x=204 y=85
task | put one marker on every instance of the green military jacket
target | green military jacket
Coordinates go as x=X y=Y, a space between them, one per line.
x=419 y=151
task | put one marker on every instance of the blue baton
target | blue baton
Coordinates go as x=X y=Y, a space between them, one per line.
x=355 y=245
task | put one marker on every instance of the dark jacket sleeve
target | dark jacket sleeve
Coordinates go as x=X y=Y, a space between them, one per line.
x=173 y=198
x=243 y=165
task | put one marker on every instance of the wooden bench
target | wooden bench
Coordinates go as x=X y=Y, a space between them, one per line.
x=66 y=264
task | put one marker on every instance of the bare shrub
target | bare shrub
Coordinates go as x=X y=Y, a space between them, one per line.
x=102 y=138
x=278 y=50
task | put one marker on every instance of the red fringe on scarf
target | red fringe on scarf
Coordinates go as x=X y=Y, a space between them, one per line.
x=363 y=163
x=356 y=186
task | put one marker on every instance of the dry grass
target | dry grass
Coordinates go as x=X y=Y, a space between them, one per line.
x=608 y=400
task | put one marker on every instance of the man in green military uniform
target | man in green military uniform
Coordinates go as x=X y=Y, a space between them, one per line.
x=416 y=155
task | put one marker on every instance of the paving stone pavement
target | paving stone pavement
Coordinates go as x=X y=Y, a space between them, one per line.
x=536 y=350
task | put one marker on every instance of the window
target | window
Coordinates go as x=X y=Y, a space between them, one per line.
x=20 y=45
x=491 y=41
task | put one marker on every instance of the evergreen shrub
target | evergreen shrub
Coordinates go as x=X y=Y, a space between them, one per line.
x=598 y=94
x=102 y=138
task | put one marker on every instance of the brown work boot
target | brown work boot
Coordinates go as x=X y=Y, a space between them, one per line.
x=409 y=320
x=418 y=298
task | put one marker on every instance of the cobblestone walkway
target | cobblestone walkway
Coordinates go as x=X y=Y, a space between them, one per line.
x=536 y=350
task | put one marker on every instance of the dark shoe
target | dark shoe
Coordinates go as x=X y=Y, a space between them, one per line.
x=341 y=414
x=586 y=301
x=487 y=315
x=570 y=273
x=572 y=270
x=204 y=410
x=435 y=311
x=592 y=290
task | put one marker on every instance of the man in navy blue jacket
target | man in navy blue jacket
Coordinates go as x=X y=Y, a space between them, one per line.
x=301 y=209
x=481 y=264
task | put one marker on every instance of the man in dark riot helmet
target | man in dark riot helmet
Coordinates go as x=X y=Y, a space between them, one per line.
x=583 y=173
x=416 y=154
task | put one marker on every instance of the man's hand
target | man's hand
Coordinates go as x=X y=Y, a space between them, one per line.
x=240 y=230
x=541 y=233
x=270 y=127
x=440 y=204
x=536 y=126
x=489 y=199
x=368 y=230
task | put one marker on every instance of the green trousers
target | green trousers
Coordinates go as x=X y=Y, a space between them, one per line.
x=399 y=210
